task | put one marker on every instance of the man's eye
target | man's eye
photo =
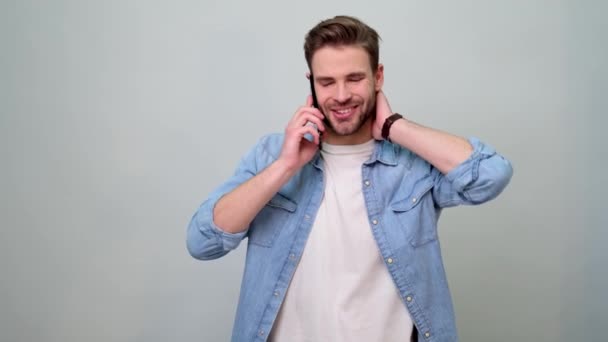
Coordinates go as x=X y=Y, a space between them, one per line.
x=355 y=79
x=326 y=84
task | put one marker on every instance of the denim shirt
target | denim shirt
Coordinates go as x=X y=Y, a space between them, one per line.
x=404 y=196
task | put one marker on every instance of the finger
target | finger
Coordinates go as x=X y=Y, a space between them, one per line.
x=313 y=110
x=309 y=101
x=306 y=112
x=309 y=133
x=319 y=125
x=313 y=125
x=306 y=117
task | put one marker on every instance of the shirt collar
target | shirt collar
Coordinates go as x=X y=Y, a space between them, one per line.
x=384 y=152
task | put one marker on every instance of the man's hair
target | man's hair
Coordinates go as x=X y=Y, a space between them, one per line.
x=342 y=31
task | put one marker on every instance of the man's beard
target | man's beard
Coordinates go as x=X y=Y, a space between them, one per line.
x=361 y=120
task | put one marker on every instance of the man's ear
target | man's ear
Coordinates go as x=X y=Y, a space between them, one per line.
x=379 y=77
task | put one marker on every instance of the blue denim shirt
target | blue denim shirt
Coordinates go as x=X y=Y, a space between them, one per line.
x=404 y=196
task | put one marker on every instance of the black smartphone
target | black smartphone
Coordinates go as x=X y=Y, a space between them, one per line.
x=315 y=104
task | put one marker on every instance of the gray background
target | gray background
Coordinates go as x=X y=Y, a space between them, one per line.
x=119 y=117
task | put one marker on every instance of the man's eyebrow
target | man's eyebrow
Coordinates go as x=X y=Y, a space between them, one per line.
x=356 y=74
x=324 y=78
x=329 y=78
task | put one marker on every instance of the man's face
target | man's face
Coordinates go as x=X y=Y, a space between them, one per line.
x=346 y=90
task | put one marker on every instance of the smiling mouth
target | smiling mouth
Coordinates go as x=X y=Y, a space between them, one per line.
x=344 y=113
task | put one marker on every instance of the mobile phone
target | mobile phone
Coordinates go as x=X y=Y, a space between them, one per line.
x=315 y=104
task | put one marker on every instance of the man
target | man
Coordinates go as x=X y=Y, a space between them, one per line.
x=342 y=228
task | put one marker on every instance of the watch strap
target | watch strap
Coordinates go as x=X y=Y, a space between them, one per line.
x=386 y=128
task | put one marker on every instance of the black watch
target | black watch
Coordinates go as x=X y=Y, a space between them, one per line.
x=386 y=128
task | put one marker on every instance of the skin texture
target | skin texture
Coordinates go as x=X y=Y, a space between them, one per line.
x=346 y=88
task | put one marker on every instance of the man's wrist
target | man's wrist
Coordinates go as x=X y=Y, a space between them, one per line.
x=388 y=123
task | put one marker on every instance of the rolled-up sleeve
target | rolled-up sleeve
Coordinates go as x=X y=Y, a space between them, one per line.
x=204 y=239
x=478 y=179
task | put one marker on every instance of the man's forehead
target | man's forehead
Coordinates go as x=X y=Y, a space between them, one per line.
x=343 y=60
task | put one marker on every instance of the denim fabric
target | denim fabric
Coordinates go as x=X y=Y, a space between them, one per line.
x=404 y=196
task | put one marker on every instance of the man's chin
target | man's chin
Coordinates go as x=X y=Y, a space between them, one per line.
x=347 y=128
x=350 y=126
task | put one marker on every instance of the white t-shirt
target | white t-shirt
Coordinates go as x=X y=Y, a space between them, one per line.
x=341 y=289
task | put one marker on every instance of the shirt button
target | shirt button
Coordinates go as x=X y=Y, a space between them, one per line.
x=367 y=183
x=414 y=200
x=261 y=333
x=389 y=260
x=307 y=217
x=292 y=256
x=276 y=293
x=408 y=298
x=375 y=222
x=427 y=334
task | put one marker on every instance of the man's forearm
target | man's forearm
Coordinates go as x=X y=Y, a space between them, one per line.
x=234 y=211
x=443 y=150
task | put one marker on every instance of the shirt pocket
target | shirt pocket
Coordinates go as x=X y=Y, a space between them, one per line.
x=277 y=214
x=415 y=212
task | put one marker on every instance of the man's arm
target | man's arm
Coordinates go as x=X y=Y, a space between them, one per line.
x=222 y=221
x=465 y=171
x=442 y=150
x=235 y=211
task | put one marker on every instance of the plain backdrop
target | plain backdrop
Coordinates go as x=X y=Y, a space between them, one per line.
x=118 y=118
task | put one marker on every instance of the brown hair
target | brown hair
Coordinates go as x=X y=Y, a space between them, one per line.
x=339 y=31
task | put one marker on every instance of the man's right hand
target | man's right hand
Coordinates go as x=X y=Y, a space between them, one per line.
x=297 y=150
x=234 y=212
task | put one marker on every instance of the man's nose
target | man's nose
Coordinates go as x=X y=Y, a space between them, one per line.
x=343 y=93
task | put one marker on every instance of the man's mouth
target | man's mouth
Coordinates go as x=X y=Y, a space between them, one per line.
x=343 y=113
